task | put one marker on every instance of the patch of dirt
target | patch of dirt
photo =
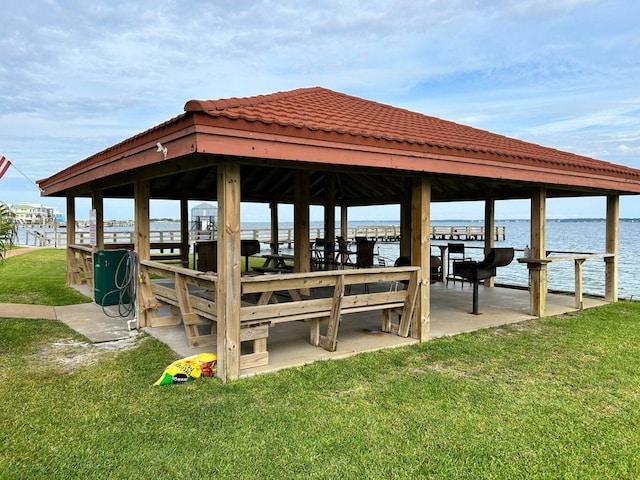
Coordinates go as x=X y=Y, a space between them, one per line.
x=71 y=354
x=532 y=326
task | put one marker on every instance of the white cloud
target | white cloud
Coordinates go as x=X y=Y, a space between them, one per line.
x=627 y=149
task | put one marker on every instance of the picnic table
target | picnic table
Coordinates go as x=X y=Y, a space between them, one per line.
x=277 y=260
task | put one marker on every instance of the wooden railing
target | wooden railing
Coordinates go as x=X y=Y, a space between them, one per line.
x=272 y=299
x=80 y=265
x=578 y=261
x=381 y=233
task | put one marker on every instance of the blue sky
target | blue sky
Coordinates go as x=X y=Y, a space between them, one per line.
x=77 y=76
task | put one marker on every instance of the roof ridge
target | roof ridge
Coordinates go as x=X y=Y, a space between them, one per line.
x=237 y=102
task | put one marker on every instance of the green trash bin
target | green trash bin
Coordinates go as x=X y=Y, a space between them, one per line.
x=109 y=271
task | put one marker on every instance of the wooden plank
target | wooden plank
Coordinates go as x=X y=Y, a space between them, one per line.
x=386 y=320
x=97 y=204
x=252 y=333
x=374 y=299
x=314 y=334
x=184 y=229
x=73 y=276
x=489 y=226
x=189 y=317
x=578 y=284
x=252 y=360
x=319 y=279
x=273 y=312
x=330 y=340
x=409 y=307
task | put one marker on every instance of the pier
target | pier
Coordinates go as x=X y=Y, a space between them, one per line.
x=380 y=233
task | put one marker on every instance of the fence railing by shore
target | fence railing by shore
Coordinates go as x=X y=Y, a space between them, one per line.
x=380 y=233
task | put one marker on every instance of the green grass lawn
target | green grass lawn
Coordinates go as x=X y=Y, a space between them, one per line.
x=37 y=278
x=554 y=398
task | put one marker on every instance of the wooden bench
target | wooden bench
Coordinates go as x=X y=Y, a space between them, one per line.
x=196 y=306
x=196 y=309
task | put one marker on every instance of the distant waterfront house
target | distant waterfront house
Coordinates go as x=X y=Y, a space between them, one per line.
x=34 y=214
x=314 y=146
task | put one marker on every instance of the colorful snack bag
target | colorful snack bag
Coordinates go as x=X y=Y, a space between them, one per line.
x=189 y=368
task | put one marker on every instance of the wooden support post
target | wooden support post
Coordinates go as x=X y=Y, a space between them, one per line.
x=301 y=245
x=538 y=270
x=421 y=256
x=405 y=221
x=329 y=220
x=73 y=278
x=344 y=222
x=273 y=206
x=184 y=231
x=612 y=246
x=142 y=244
x=578 y=282
x=228 y=292
x=489 y=227
x=97 y=204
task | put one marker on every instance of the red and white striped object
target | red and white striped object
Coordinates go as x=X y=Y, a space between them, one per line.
x=4 y=165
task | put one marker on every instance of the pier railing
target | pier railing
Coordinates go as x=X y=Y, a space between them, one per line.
x=380 y=233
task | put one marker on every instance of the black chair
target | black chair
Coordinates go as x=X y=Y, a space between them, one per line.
x=455 y=253
x=436 y=269
x=475 y=271
x=364 y=253
x=343 y=254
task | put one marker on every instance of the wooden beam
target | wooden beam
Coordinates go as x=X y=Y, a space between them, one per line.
x=97 y=204
x=142 y=241
x=329 y=219
x=273 y=206
x=538 y=270
x=144 y=299
x=578 y=283
x=228 y=287
x=612 y=246
x=302 y=251
x=344 y=221
x=184 y=230
x=72 y=277
x=405 y=221
x=489 y=228
x=421 y=255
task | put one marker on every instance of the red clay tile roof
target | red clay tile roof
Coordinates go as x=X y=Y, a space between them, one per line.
x=320 y=109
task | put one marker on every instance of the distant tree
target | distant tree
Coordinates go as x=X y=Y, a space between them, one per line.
x=8 y=231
